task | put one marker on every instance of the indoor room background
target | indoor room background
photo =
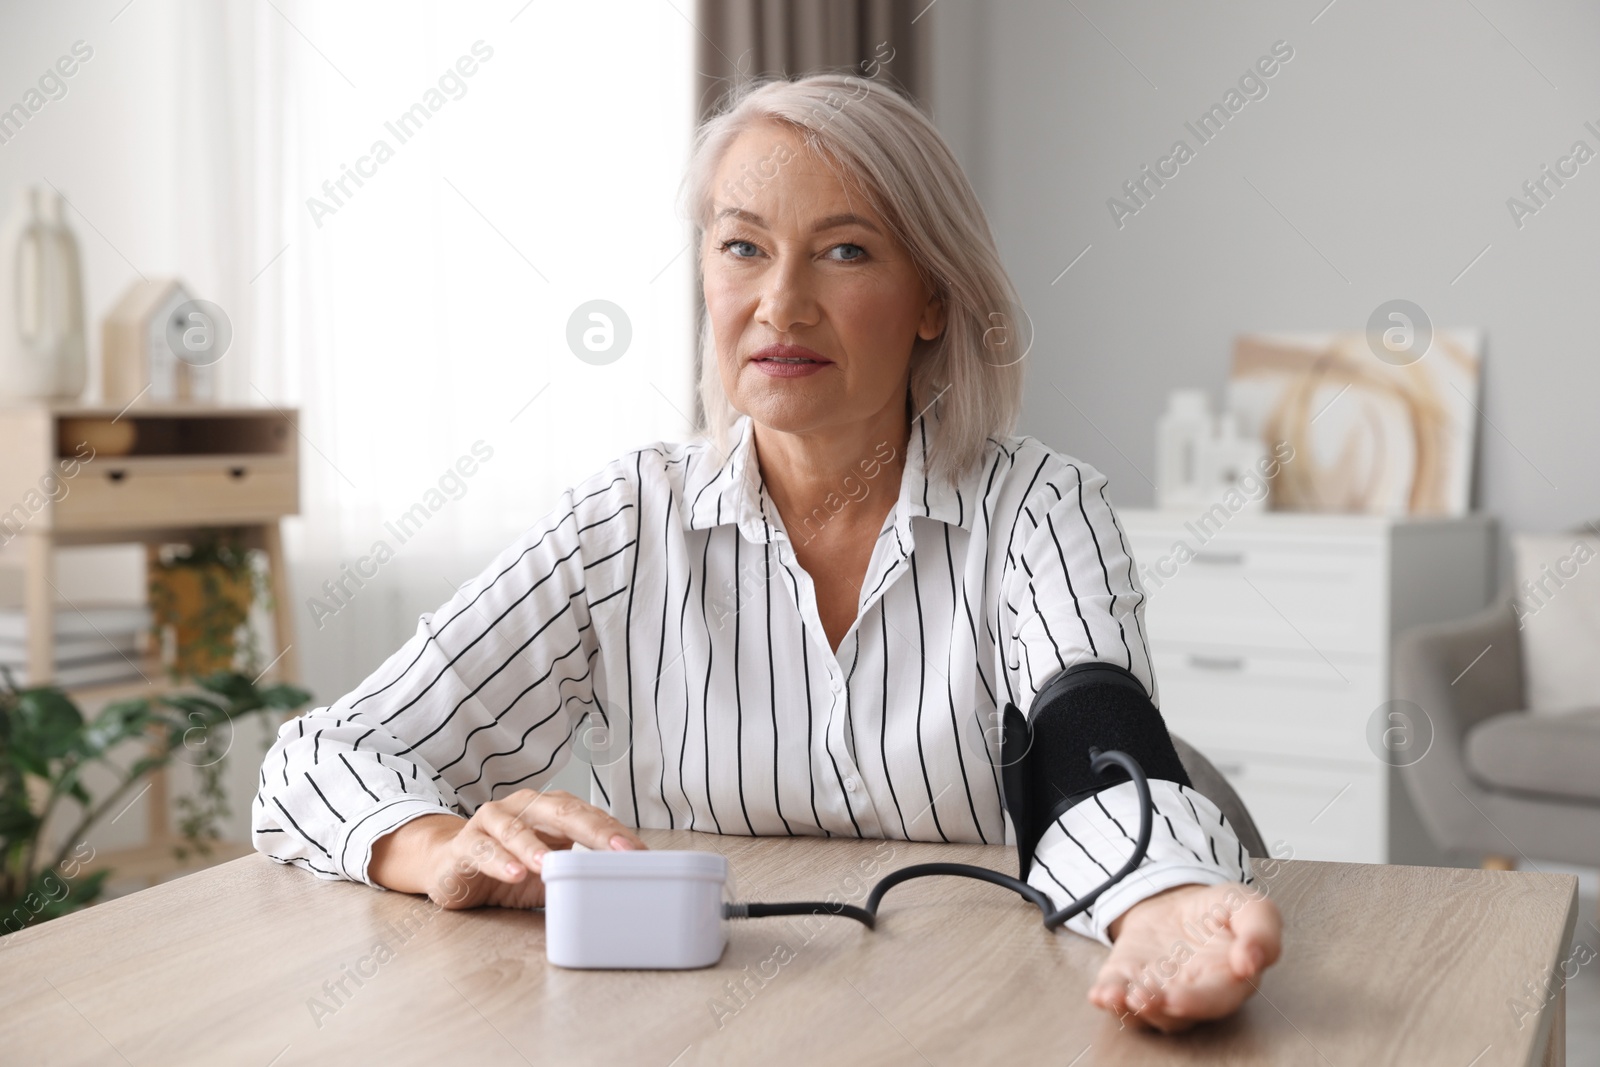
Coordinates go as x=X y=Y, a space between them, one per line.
x=414 y=306
x=444 y=273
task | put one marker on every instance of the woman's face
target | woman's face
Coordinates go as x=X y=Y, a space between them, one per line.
x=791 y=258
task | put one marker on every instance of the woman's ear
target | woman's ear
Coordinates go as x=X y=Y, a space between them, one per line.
x=933 y=319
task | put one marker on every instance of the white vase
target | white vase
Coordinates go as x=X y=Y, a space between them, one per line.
x=1234 y=461
x=43 y=354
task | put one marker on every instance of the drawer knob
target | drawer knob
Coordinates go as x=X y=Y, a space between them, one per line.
x=1217 y=663
x=116 y=476
x=236 y=473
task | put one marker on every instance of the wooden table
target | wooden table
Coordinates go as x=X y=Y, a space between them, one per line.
x=1382 y=965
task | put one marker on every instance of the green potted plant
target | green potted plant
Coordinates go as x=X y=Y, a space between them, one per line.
x=45 y=746
x=202 y=594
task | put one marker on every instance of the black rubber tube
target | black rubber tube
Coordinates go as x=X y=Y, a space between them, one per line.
x=868 y=916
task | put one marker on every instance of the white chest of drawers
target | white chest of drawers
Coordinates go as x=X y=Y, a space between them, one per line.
x=1271 y=635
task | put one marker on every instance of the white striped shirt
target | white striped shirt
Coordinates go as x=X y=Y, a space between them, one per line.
x=662 y=600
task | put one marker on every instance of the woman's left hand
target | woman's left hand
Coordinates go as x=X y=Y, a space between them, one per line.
x=1187 y=954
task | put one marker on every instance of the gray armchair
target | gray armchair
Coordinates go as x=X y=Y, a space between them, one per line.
x=1496 y=781
x=1210 y=783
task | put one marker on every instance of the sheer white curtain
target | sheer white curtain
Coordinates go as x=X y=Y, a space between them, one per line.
x=510 y=164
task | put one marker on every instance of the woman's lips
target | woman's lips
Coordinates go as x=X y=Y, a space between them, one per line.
x=788 y=361
x=773 y=368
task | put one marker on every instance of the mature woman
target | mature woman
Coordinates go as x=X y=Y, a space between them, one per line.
x=810 y=622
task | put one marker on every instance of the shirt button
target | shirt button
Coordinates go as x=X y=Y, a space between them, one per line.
x=836 y=685
x=850 y=784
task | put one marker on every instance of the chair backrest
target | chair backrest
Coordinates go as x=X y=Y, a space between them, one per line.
x=1209 y=783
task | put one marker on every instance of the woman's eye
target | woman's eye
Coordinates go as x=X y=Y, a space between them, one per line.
x=743 y=249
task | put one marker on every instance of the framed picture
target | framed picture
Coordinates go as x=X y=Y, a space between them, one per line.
x=1369 y=435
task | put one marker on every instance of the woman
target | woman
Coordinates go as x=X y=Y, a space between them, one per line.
x=809 y=623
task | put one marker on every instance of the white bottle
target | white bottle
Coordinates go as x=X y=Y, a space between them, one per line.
x=1181 y=435
x=1238 y=463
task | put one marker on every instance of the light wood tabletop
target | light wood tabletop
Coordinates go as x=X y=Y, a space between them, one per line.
x=242 y=964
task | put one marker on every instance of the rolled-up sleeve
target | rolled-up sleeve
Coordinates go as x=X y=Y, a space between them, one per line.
x=1073 y=597
x=482 y=700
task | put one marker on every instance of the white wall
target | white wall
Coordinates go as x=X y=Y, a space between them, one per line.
x=1390 y=141
x=121 y=144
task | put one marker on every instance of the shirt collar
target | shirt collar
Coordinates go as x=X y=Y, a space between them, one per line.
x=733 y=492
x=934 y=498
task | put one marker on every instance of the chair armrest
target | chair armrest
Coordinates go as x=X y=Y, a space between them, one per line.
x=1462 y=671
x=1458 y=673
x=1210 y=783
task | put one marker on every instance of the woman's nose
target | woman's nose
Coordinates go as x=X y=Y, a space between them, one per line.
x=788 y=295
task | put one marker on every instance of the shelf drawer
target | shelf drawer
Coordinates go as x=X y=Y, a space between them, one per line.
x=1320 y=811
x=1269 y=704
x=111 y=493
x=1265 y=593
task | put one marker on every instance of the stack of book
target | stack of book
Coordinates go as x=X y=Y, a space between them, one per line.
x=94 y=645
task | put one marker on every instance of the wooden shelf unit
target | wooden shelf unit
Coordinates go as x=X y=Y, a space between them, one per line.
x=193 y=469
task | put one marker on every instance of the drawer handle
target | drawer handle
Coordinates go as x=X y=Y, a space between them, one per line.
x=116 y=476
x=1220 y=559
x=1217 y=663
x=236 y=473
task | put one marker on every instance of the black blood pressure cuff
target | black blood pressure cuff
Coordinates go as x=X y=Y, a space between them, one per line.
x=1045 y=763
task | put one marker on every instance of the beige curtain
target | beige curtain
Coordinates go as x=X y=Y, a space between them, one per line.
x=743 y=39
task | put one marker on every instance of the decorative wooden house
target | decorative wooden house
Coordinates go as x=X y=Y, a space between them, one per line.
x=138 y=358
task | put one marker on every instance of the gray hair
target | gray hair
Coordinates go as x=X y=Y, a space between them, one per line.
x=888 y=151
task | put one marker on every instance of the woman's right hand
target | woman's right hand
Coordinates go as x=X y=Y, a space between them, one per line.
x=495 y=857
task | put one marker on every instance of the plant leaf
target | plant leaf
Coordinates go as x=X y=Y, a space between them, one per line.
x=115 y=724
x=47 y=722
x=236 y=687
x=17 y=822
x=285 y=697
